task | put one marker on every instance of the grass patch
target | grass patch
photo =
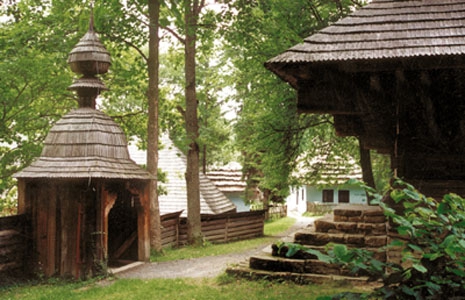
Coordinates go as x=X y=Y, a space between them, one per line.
x=223 y=287
x=271 y=229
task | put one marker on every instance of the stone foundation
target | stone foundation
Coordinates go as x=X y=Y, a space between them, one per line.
x=356 y=226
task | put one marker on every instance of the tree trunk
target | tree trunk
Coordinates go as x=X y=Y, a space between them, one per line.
x=194 y=230
x=152 y=126
x=365 y=162
x=266 y=203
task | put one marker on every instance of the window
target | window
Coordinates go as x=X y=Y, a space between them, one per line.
x=328 y=196
x=344 y=196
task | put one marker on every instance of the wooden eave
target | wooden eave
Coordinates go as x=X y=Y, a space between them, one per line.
x=300 y=71
x=382 y=36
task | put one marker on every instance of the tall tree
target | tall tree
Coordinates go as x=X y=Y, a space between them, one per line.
x=187 y=22
x=192 y=10
x=152 y=126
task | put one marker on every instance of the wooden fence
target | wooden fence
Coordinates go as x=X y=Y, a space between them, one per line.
x=215 y=228
x=170 y=229
x=13 y=245
x=320 y=208
x=277 y=211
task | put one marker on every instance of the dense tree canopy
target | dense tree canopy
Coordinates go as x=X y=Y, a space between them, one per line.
x=233 y=42
x=33 y=82
x=270 y=132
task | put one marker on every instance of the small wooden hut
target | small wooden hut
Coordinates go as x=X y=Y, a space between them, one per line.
x=393 y=74
x=86 y=199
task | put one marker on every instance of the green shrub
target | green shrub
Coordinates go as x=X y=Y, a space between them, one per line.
x=430 y=239
x=433 y=251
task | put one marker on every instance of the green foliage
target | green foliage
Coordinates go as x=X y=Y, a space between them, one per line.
x=270 y=132
x=33 y=82
x=434 y=244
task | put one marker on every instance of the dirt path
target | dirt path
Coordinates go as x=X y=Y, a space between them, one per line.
x=210 y=266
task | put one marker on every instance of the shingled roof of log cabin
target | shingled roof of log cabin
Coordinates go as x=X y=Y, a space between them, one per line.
x=229 y=178
x=381 y=32
x=331 y=172
x=173 y=162
x=85 y=143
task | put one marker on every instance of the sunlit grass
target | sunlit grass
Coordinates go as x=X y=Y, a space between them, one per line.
x=271 y=229
x=223 y=287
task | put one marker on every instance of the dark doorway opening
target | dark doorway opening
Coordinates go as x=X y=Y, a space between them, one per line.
x=122 y=230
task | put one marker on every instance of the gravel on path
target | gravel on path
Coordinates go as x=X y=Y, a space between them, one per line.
x=203 y=267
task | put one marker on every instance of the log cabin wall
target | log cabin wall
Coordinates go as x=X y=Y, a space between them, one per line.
x=70 y=227
x=14 y=248
x=63 y=220
x=415 y=116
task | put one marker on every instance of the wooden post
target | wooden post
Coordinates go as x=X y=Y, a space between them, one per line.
x=23 y=205
x=107 y=200
x=143 y=224
x=51 y=230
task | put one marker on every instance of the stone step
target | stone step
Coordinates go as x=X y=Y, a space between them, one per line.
x=312 y=238
x=301 y=266
x=244 y=271
x=358 y=213
x=328 y=225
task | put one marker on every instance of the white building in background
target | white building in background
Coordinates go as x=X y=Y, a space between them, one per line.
x=331 y=189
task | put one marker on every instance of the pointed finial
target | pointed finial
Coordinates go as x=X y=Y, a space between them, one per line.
x=89 y=58
x=91 y=19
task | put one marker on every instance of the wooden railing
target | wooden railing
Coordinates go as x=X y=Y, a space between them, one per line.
x=13 y=245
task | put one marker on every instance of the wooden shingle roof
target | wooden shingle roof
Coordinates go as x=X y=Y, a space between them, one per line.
x=229 y=178
x=85 y=143
x=384 y=30
x=173 y=162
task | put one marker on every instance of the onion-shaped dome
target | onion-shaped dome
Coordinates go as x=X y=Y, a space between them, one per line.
x=85 y=143
x=89 y=57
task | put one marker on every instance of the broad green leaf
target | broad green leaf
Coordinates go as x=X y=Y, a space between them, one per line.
x=458 y=272
x=323 y=257
x=443 y=208
x=460 y=224
x=415 y=247
x=420 y=268
x=432 y=256
x=409 y=205
x=412 y=194
x=340 y=251
x=397 y=195
x=462 y=243
x=396 y=243
x=435 y=287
